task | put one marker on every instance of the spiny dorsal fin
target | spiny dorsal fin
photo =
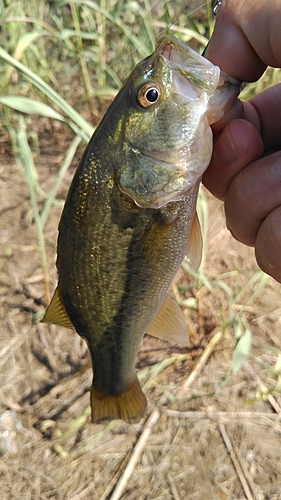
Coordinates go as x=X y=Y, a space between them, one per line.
x=195 y=244
x=169 y=324
x=56 y=313
x=129 y=405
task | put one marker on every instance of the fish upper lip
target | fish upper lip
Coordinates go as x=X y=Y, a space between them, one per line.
x=181 y=57
x=176 y=51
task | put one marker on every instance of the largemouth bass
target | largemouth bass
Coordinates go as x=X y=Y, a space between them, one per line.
x=129 y=218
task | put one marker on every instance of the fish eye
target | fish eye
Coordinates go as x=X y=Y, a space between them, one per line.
x=148 y=94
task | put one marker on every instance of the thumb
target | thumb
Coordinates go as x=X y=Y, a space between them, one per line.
x=238 y=145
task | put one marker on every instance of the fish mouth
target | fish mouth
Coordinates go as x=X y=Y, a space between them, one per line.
x=186 y=63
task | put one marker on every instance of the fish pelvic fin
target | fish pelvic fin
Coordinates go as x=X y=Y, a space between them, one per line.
x=195 y=244
x=169 y=324
x=129 y=406
x=56 y=313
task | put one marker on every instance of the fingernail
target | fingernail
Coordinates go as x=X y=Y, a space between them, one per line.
x=224 y=149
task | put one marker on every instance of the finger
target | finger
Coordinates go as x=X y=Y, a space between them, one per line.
x=263 y=111
x=267 y=105
x=238 y=145
x=229 y=38
x=254 y=192
x=236 y=111
x=268 y=244
x=238 y=45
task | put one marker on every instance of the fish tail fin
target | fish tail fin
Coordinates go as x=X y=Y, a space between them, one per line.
x=130 y=405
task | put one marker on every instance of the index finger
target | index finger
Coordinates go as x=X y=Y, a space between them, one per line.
x=246 y=38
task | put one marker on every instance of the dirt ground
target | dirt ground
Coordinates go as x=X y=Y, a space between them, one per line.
x=205 y=435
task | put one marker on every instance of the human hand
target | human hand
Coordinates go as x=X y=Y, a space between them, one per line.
x=244 y=171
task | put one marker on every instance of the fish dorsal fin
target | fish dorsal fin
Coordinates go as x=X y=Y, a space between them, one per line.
x=169 y=324
x=195 y=244
x=56 y=313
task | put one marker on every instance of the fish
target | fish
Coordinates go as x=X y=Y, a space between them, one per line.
x=129 y=218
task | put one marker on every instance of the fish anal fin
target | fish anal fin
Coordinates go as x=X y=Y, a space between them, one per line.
x=169 y=324
x=129 y=405
x=56 y=313
x=195 y=244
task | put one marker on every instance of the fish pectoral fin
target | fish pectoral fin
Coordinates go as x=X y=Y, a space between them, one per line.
x=129 y=405
x=169 y=324
x=56 y=313
x=195 y=244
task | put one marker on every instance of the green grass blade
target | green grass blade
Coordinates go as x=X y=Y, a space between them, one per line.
x=63 y=169
x=242 y=350
x=257 y=281
x=31 y=179
x=80 y=126
x=31 y=106
x=147 y=22
x=135 y=40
